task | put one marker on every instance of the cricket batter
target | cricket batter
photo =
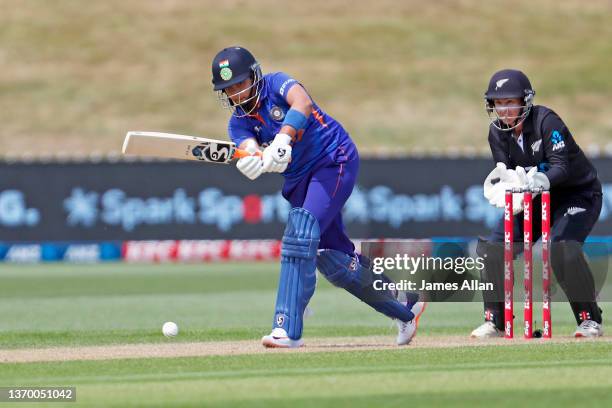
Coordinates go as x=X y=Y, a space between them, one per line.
x=533 y=147
x=319 y=162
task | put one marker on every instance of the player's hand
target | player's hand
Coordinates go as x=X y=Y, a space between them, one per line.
x=497 y=182
x=524 y=176
x=250 y=166
x=502 y=179
x=538 y=180
x=277 y=155
x=491 y=183
x=499 y=200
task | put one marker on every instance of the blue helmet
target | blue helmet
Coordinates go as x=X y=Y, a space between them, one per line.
x=509 y=84
x=231 y=66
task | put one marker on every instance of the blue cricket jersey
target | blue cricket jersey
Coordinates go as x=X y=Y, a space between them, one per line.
x=319 y=139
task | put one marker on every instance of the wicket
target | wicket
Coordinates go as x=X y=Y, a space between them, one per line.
x=528 y=269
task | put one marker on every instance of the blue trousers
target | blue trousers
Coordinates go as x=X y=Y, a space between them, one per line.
x=324 y=192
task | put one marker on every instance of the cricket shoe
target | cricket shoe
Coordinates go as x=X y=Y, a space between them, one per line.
x=487 y=330
x=589 y=328
x=279 y=339
x=407 y=330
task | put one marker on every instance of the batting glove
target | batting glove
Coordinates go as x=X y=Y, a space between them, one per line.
x=502 y=179
x=277 y=155
x=525 y=176
x=493 y=180
x=250 y=166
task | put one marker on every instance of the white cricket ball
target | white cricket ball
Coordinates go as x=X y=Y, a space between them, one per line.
x=170 y=329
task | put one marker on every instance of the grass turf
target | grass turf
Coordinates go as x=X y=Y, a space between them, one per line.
x=55 y=305
x=72 y=305
x=552 y=375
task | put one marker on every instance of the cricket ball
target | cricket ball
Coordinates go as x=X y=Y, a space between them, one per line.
x=170 y=329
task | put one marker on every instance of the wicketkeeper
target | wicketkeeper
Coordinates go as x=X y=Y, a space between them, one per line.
x=319 y=162
x=533 y=148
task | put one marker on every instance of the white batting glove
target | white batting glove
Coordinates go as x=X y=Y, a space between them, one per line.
x=502 y=179
x=250 y=166
x=491 y=183
x=498 y=181
x=525 y=176
x=277 y=155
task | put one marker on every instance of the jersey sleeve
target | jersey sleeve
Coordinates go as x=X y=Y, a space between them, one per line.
x=281 y=83
x=239 y=130
x=555 y=136
x=499 y=149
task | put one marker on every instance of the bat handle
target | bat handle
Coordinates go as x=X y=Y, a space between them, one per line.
x=240 y=153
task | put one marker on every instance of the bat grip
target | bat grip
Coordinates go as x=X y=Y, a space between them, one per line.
x=240 y=153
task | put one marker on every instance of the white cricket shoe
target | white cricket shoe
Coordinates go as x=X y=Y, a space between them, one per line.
x=407 y=330
x=589 y=328
x=279 y=339
x=487 y=330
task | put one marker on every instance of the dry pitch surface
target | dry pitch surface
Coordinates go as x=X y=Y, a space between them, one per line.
x=245 y=347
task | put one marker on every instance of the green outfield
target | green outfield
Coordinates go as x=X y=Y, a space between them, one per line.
x=86 y=305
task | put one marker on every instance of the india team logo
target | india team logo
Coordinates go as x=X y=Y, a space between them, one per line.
x=226 y=73
x=277 y=113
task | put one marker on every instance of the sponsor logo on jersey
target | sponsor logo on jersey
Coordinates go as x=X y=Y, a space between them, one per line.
x=284 y=85
x=557 y=141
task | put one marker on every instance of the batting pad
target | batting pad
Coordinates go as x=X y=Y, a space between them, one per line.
x=297 y=276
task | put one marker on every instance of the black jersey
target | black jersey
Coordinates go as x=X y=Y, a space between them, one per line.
x=548 y=144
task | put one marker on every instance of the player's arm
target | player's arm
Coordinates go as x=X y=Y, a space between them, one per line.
x=555 y=137
x=499 y=149
x=301 y=108
x=503 y=176
x=277 y=155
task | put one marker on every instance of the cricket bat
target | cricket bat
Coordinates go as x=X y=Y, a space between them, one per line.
x=171 y=146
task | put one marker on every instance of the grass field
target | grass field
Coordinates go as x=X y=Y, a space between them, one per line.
x=85 y=305
x=398 y=75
